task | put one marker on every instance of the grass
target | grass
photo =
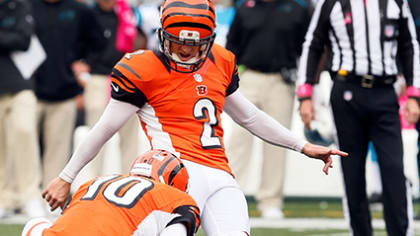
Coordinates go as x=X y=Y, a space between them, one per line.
x=294 y=208
x=15 y=230
x=297 y=232
x=310 y=208
x=10 y=230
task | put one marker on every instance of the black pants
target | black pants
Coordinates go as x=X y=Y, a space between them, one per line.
x=361 y=115
x=418 y=153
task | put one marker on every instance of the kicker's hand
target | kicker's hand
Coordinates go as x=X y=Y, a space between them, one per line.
x=322 y=153
x=56 y=193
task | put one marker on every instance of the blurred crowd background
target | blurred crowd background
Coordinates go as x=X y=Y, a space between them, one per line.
x=55 y=58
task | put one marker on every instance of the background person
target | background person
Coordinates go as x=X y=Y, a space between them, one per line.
x=266 y=36
x=97 y=85
x=360 y=35
x=415 y=10
x=179 y=94
x=149 y=18
x=19 y=185
x=67 y=30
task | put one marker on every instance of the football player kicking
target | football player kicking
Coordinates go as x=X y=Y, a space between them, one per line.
x=141 y=203
x=179 y=93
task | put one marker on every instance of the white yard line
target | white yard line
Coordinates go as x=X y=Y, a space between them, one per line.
x=314 y=223
x=294 y=223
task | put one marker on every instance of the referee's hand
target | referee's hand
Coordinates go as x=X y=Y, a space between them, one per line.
x=307 y=112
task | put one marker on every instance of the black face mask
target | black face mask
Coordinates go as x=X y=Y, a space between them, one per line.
x=179 y=66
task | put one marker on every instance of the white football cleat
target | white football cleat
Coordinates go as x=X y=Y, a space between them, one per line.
x=272 y=213
x=35 y=227
x=34 y=208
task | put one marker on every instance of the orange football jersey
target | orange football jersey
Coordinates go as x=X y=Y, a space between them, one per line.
x=125 y=205
x=180 y=112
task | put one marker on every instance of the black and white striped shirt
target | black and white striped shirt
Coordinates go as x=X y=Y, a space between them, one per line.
x=364 y=37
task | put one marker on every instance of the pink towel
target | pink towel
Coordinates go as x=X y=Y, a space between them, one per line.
x=402 y=100
x=126 y=31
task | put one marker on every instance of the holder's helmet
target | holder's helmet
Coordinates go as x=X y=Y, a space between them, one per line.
x=187 y=22
x=161 y=166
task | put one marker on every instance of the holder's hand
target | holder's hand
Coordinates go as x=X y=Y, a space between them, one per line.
x=56 y=193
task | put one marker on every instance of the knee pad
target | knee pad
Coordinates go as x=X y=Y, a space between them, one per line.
x=35 y=227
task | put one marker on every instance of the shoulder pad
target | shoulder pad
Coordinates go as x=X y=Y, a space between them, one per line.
x=140 y=64
x=136 y=53
x=221 y=53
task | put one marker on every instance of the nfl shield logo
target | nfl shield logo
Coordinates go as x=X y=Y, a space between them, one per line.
x=198 y=78
x=347 y=18
x=389 y=31
x=348 y=95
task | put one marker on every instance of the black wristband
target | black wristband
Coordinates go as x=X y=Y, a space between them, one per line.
x=303 y=99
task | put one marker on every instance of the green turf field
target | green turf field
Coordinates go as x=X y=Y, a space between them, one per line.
x=15 y=230
x=308 y=208
x=295 y=232
x=296 y=208
x=10 y=230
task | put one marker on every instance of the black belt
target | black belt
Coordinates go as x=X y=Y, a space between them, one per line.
x=367 y=81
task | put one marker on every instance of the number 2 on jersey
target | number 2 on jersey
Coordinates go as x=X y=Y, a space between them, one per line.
x=207 y=138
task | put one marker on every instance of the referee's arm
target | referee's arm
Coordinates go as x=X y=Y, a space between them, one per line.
x=315 y=40
x=408 y=48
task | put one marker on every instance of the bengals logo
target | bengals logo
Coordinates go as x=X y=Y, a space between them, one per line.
x=201 y=90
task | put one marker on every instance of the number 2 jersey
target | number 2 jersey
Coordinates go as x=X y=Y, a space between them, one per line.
x=180 y=112
x=122 y=205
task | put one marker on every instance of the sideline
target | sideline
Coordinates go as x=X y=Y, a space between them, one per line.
x=256 y=222
x=315 y=223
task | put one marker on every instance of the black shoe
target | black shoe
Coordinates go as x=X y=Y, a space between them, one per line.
x=17 y=210
x=375 y=198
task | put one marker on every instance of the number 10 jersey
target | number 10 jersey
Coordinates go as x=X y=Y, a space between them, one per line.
x=125 y=205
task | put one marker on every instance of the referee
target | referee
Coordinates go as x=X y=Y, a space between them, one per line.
x=365 y=38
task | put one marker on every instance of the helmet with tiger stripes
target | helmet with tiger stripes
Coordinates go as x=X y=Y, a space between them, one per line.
x=187 y=22
x=161 y=166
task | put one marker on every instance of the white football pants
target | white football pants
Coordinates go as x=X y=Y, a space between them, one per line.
x=224 y=210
